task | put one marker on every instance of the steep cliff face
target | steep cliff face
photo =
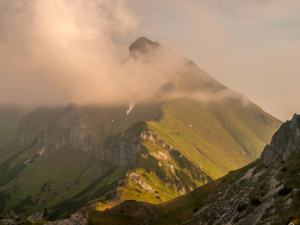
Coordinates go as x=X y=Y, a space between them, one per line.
x=285 y=142
x=134 y=148
x=74 y=127
x=32 y=124
x=119 y=150
x=72 y=130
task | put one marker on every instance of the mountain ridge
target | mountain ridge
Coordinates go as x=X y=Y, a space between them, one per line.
x=253 y=195
x=161 y=149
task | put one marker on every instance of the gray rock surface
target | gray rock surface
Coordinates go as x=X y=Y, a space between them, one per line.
x=38 y=216
x=72 y=130
x=233 y=203
x=12 y=214
x=69 y=128
x=285 y=142
x=75 y=219
x=123 y=149
x=8 y=222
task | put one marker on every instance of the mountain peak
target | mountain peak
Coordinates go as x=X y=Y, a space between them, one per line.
x=142 y=46
x=285 y=142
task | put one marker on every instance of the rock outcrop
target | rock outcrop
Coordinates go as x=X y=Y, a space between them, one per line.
x=75 y=219
x=72 y=130
x=285 y=142
x=59 y=128
x=12 y=214
x=142 y=46
x=263 y=194
x=8 y=222
x=121 y=150
x=38 y=216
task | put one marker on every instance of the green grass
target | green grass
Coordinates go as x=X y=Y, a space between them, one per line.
x=5 y=165
x=52 y=178
x=223 y=136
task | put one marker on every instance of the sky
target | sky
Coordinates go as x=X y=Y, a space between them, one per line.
x=62 y=50
x=251 y=46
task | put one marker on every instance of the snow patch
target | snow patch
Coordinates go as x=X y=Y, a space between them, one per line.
x=130 y=108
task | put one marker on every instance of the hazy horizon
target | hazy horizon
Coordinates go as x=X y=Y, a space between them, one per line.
x=58 y=50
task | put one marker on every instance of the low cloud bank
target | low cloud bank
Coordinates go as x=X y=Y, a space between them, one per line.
x=57 y=51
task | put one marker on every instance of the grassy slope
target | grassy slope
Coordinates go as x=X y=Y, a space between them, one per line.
x=220 y=134
x=177 y=210
x=48 y=179
x=146 y=112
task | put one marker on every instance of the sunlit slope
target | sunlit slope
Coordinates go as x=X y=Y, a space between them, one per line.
x=218 y=135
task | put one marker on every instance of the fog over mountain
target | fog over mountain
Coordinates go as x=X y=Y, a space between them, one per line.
x=54 y=52
x=60 y=51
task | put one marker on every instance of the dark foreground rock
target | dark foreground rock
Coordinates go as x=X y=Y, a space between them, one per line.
x=75 y=219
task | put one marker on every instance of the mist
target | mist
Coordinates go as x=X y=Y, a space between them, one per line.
x=57 y=51
x=53 y=52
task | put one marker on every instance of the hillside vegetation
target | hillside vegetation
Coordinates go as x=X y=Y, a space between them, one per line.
x=189 y=132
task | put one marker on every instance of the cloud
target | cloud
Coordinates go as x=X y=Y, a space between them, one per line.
x=58 y=51
x=55 y=51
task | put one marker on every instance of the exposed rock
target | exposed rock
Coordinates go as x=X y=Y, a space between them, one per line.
x=257 y=197
x=8 y=222
x=75 y=219
x=73 y=130
x=38 y=216
x=225 y=207
x=155 y=139
x=142 y=46
x=285 y=142
x=32 y=124
x=137 y=179
x=12 y=215
x=121 y=150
